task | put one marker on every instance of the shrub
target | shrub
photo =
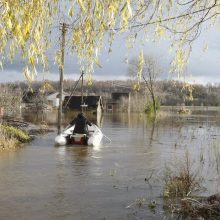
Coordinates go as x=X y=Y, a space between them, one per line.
x=150 y=107
x=6 y=142
x=184 y=110
x=182 y=182
x=14 y=133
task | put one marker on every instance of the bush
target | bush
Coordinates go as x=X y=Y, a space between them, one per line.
x=14 y=133
x=150 y=107
x=7 y=143
x=184 y=110
x=182 y=182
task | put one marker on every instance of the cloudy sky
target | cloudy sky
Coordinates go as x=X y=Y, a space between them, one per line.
x=203 y=67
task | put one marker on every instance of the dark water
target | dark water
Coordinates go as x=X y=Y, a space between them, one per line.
x=41 y=181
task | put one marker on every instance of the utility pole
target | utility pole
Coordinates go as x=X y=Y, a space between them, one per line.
x=63 y=29
x=83 y=105
x=82 y=93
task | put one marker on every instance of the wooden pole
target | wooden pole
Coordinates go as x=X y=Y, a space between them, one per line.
x=61 y=69
x=82 y=93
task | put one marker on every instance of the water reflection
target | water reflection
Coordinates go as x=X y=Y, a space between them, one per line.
x=41 y=181
x=153 y=123
x=50 y=117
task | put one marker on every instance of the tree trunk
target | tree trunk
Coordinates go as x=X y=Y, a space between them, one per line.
x=61 y=78
x=154 y=104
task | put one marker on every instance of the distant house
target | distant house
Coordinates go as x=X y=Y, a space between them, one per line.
x=53 y=99
x=93 y=103
x=120 y=101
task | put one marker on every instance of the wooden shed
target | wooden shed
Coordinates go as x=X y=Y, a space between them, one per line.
x=93 y=103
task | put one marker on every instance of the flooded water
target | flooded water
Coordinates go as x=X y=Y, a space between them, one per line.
x=116 y=180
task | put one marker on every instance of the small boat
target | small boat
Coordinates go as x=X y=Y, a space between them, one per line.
x=93 y=137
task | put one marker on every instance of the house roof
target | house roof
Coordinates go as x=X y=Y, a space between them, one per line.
x=55 y=95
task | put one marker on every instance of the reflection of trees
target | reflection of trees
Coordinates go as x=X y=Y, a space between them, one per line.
x=48 y=118
x=134 y=120
x=76 y=157
x=99 y=120
x=79 y=153
x=153 y=123
x=69 y=158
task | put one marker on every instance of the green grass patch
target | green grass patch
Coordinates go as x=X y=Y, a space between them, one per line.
x=14 y=133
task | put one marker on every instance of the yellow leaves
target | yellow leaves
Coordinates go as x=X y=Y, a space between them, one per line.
x=8 y=24
x=205 y=48
x=2 y=32
x=159 y=31
x=37 y=35
x=76 y=36
x=169 y=5
x=5 y=6
x=111 y=10
x=99 y=9
x=81 y=4
x=71 y=12
x=31 y=60
x=140 y=65
x=25 y=26
x=88 y=26
x=58 y=58
x=1 y=65
x=126 y=14
x=180 y=59
x=97 y=62
x=27 y=74
x=136 y=86
x=89 y=52
x=3 y=37
x=2 y=45
x=129 y=8
x=17 y=29
x=46 y=86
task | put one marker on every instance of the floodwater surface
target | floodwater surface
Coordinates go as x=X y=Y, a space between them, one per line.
x=116 y=180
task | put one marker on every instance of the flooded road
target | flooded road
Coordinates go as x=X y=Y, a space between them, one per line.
x=116 y=180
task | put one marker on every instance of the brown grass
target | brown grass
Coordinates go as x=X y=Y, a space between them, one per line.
x=7 y=143
x=201 y=208
x=9 y=138
x=183 y=181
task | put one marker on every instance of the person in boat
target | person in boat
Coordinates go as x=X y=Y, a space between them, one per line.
x=81 y=124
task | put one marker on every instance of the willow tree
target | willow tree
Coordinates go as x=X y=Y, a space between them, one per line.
x=26 y=26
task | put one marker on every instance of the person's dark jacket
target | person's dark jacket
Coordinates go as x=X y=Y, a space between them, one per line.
x=80 y=123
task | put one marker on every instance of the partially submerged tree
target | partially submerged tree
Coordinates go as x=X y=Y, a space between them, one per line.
x=26 y=26
x=151 y=69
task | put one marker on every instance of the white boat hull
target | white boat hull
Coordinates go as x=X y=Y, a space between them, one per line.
x=94 y=137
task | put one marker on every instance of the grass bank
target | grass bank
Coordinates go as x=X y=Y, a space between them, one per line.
x=11 y=137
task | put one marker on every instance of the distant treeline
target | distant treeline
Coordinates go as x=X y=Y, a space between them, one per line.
x=169 y=93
